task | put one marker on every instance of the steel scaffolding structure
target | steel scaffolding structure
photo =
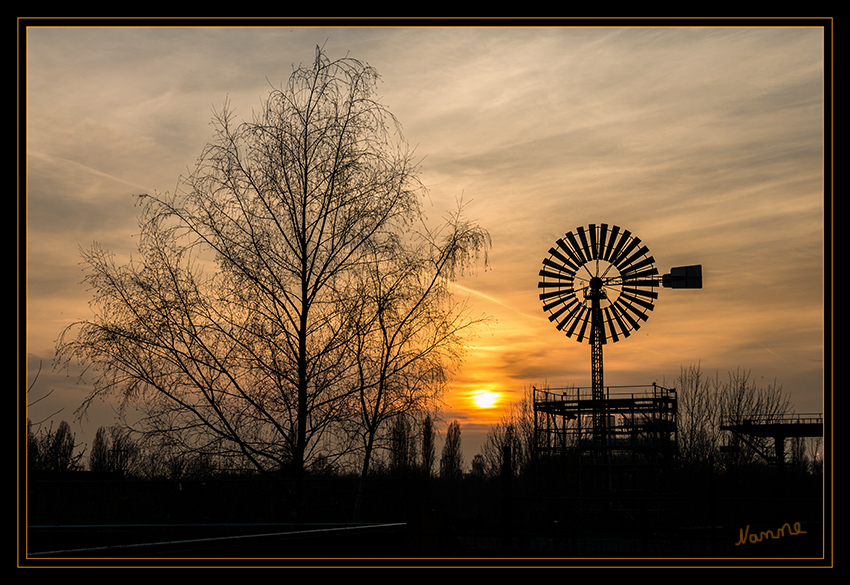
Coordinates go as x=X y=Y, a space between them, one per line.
x=640 y=424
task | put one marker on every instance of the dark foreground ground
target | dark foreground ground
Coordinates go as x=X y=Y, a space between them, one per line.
x=82 y=519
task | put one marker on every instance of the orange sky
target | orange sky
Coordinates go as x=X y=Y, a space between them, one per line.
x=707 y=143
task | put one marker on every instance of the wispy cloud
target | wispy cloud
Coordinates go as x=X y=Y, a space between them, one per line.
x=74 y=166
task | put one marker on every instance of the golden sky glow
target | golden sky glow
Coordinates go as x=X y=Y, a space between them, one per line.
x=707 y=143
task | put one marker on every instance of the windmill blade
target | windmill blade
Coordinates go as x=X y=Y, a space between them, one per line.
x=576 y=318
x=585 y=246
x=557 y=276
x=568 y=299
x=594 y=250
x=576 y=247
x=584 y=319
x=639 y=291
x=625 y=314
x=567 y=262
x=632 y=299
x=617 y=251
x=556 y=293
x=632 y=266
x=565 y=307
x=611 y=326
x=626 y=331
x=631 y=312
x=620 y=260
x=570 y=317
x=551 y=284
x=565 y=268
x=613 y=238
x=576 y=260
x=603 y=236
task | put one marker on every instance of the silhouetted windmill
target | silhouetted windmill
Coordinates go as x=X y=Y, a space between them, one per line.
x=599 y=283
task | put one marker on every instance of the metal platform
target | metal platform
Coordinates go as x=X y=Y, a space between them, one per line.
x=778 y=428
x=791 y=425
x=637 y=419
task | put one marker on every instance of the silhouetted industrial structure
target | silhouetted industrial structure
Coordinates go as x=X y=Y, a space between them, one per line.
x=598 y=285
x=776 y=428
x=640 y=422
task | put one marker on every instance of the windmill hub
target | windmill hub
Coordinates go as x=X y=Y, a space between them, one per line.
x=594 y=291
x=596 y=284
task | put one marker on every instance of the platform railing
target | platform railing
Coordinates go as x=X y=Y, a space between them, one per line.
x=611 y=392
x=760 y=419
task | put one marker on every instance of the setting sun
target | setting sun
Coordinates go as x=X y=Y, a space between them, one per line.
x=485 y=399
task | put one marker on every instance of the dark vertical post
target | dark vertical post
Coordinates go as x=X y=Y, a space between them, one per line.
x=779 y=452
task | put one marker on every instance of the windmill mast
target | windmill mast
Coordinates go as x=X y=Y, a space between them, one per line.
x=597 y=336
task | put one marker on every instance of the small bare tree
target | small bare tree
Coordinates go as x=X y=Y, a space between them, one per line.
x=428 y=446
x=705 y=404
x=501 y=435
x=99 y=452
x=451 y=458
x=52 y=450
x=515 y=431
x=402 y=446
x=742 y=400
x=113 y=450
x=699 y=416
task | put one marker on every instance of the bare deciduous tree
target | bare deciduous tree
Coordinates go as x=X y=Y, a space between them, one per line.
x=451 y=458
x=428 y=447
x=705 y=404
x=242 y=326
x=114 y=451
x=699 y=416
x=743 y=399
x=52 y=450
x=501 y=435
x=99 y=452
x=516 y=431
x=402 y=446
